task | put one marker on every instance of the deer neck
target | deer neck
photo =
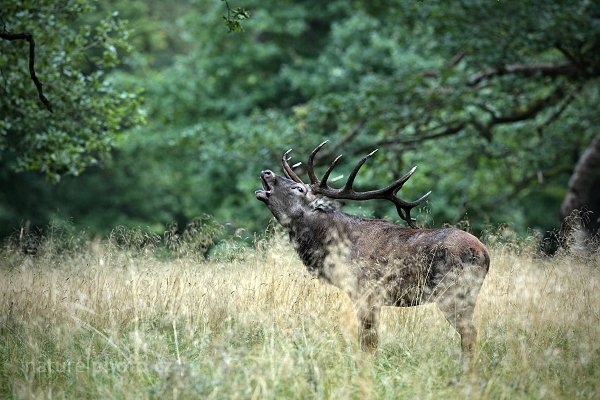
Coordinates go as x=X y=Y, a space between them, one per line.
x=316 y=236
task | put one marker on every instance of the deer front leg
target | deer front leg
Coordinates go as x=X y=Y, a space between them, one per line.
x=368 y=325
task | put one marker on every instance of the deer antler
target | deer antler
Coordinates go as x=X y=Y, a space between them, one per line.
x=347 y=192
x=289 y=171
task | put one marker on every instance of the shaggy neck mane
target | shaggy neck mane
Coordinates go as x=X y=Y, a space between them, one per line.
x=315 y=234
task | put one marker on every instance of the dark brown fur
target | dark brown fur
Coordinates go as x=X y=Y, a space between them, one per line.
x=378 y=263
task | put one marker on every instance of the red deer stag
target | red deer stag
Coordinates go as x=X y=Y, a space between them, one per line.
x=378 y=263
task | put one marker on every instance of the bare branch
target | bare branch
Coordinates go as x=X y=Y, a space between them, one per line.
x=29 y=38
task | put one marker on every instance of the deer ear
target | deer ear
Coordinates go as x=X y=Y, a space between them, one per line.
x=324 y=204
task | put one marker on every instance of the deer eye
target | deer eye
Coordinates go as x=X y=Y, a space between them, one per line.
x=299 y=188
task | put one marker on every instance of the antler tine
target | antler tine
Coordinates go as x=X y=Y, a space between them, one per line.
x=289 y=172
x=347 y=192
x=404 y=207
x=419 y=200
x=328 y=172
x=397 y=185
x=311 y=159
x=350 y=181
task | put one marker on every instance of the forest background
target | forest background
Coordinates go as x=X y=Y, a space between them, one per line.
x=164 y=113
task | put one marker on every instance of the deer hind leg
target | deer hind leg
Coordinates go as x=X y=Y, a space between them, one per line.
x=456 y=299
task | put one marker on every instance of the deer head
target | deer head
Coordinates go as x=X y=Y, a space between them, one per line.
x=290 y=198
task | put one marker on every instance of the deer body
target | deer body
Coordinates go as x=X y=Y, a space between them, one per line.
x=378 y=263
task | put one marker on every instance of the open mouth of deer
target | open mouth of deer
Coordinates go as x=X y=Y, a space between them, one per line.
x=263 y=195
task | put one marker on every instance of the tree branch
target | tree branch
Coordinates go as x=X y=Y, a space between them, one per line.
x=520 y=114
x=539 y=176
x=551 y=70
x=569 y=56
x=485 y=128
x=449 y=130
x=529 y=112
x=457 y=58
x=550 y=120
x=29 y=38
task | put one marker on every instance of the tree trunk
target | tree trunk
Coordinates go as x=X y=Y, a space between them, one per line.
x=583 y=193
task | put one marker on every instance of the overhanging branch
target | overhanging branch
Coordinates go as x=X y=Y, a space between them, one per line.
x=29 y=38
x=550 y=70
x=531 y=110
x=484 y=128
x=556 y=114
x=520 y=113
x=449 y=130
x=438 y=132
x=457 y=58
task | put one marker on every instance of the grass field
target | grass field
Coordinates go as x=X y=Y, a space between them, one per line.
x=109 y=321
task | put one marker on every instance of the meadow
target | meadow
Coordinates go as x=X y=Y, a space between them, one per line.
x=118 y=319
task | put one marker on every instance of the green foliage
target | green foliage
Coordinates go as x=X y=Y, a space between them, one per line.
x=76 y=48
x=234 y=17
x=397 y=76
x=62 y=239
x=193 y=240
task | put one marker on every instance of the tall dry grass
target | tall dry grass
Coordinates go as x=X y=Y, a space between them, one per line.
x=103 y=320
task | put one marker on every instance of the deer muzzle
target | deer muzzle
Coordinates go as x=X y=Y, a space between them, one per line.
x=266 y=178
